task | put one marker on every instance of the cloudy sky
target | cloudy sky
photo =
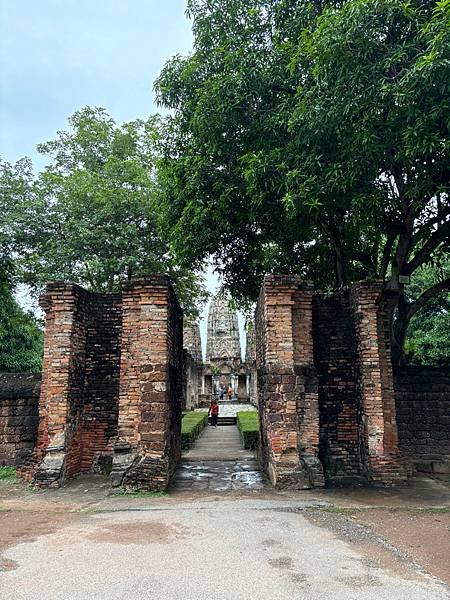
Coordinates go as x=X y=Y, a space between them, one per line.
x=57 y=56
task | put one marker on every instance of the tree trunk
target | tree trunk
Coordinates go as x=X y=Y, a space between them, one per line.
x=399 y=329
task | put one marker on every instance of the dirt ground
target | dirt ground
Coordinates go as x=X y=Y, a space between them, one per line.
x=422 y=535
x=403 y=528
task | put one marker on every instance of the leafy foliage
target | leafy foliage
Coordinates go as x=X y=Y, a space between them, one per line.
x=428 y=340
x=248 y=425
x=311 y=137
x=90 y=216
x=21 y=339
x=192 y=425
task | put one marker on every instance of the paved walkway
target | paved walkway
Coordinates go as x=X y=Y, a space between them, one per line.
x=229 y=409
x=219 y=443
x=217 y=462
x=244 y=549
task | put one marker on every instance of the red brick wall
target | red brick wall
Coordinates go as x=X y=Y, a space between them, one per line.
x=287 y=384
x=335 y=359
x=79 y=395
x=149 y=427
x=325 y=383
x=375 y=383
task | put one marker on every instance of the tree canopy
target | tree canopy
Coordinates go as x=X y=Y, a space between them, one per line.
x=90 y=215
x=312 y=137
x=21 y=338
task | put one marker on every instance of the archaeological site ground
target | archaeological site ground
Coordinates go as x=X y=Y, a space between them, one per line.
x=352 y=456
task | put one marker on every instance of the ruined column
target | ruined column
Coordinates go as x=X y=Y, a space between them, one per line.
x=58 y=453
x=372 y=309
x=148 y=443
x=287 y=384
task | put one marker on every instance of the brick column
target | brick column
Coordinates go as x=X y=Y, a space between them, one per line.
x=60 y=405
x=287 y=386
x=148 y=443
x=372 y=309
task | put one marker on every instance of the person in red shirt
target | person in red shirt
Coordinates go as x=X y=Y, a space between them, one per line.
x=214 y=412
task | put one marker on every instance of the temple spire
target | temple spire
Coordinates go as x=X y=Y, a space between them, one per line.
x=223 y=331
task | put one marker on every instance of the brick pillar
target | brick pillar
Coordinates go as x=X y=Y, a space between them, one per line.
x=372 y=309
x=58 y=452
x=287 y=385
x=149 y=426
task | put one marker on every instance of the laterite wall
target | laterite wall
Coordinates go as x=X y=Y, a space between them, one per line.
x=19 y=417
x=423 y=416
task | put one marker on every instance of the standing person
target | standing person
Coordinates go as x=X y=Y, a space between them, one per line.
x=230 y=392
x=214 y=412
x=221 y=393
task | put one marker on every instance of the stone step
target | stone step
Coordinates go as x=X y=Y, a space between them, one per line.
x=219 y=443
x=224 y=421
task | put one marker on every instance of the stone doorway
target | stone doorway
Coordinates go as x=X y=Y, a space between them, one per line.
x=217 y=461
x=112 y=387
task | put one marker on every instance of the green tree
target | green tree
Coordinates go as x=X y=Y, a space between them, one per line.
x=90 y=216
x=427 y=339
x=302 y=131
x=21 y=338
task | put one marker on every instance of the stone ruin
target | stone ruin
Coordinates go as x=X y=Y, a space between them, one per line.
x=115 y=378
x=223 y=365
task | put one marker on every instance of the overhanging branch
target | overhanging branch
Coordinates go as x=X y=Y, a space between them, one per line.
x=428 y=248
x=428 y=295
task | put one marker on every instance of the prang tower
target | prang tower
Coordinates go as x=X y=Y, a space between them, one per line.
x=223 y=332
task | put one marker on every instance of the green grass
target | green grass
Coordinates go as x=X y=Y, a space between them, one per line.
x=248 y=425
x=192 y=425
x=8 y=474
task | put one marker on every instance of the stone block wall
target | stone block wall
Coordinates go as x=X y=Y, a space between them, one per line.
x=192 y=373
x=151 y=375
x=19 y=417
x=423 y=416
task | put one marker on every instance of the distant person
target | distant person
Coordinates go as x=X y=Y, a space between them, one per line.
x=214 y=412
x=221 y=393
x=230 y=392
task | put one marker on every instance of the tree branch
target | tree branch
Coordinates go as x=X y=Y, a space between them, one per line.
x=428 y=295
x=387 y=254
x=430 y=245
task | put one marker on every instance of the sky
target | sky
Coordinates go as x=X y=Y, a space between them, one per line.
x=57 y=56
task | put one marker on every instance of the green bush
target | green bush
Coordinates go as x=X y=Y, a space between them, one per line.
x=192 y=425
x=8 y=474
x=248 y=425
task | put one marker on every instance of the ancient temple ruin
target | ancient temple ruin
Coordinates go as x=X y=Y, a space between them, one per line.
x=116 y=379
x=224 y=366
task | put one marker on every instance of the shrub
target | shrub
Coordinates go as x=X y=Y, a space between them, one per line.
x=248 y=425
x=192 y=425
x=8 y=474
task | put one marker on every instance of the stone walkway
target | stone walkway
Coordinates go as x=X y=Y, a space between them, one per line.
x=217 y=462
x=230 y=409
